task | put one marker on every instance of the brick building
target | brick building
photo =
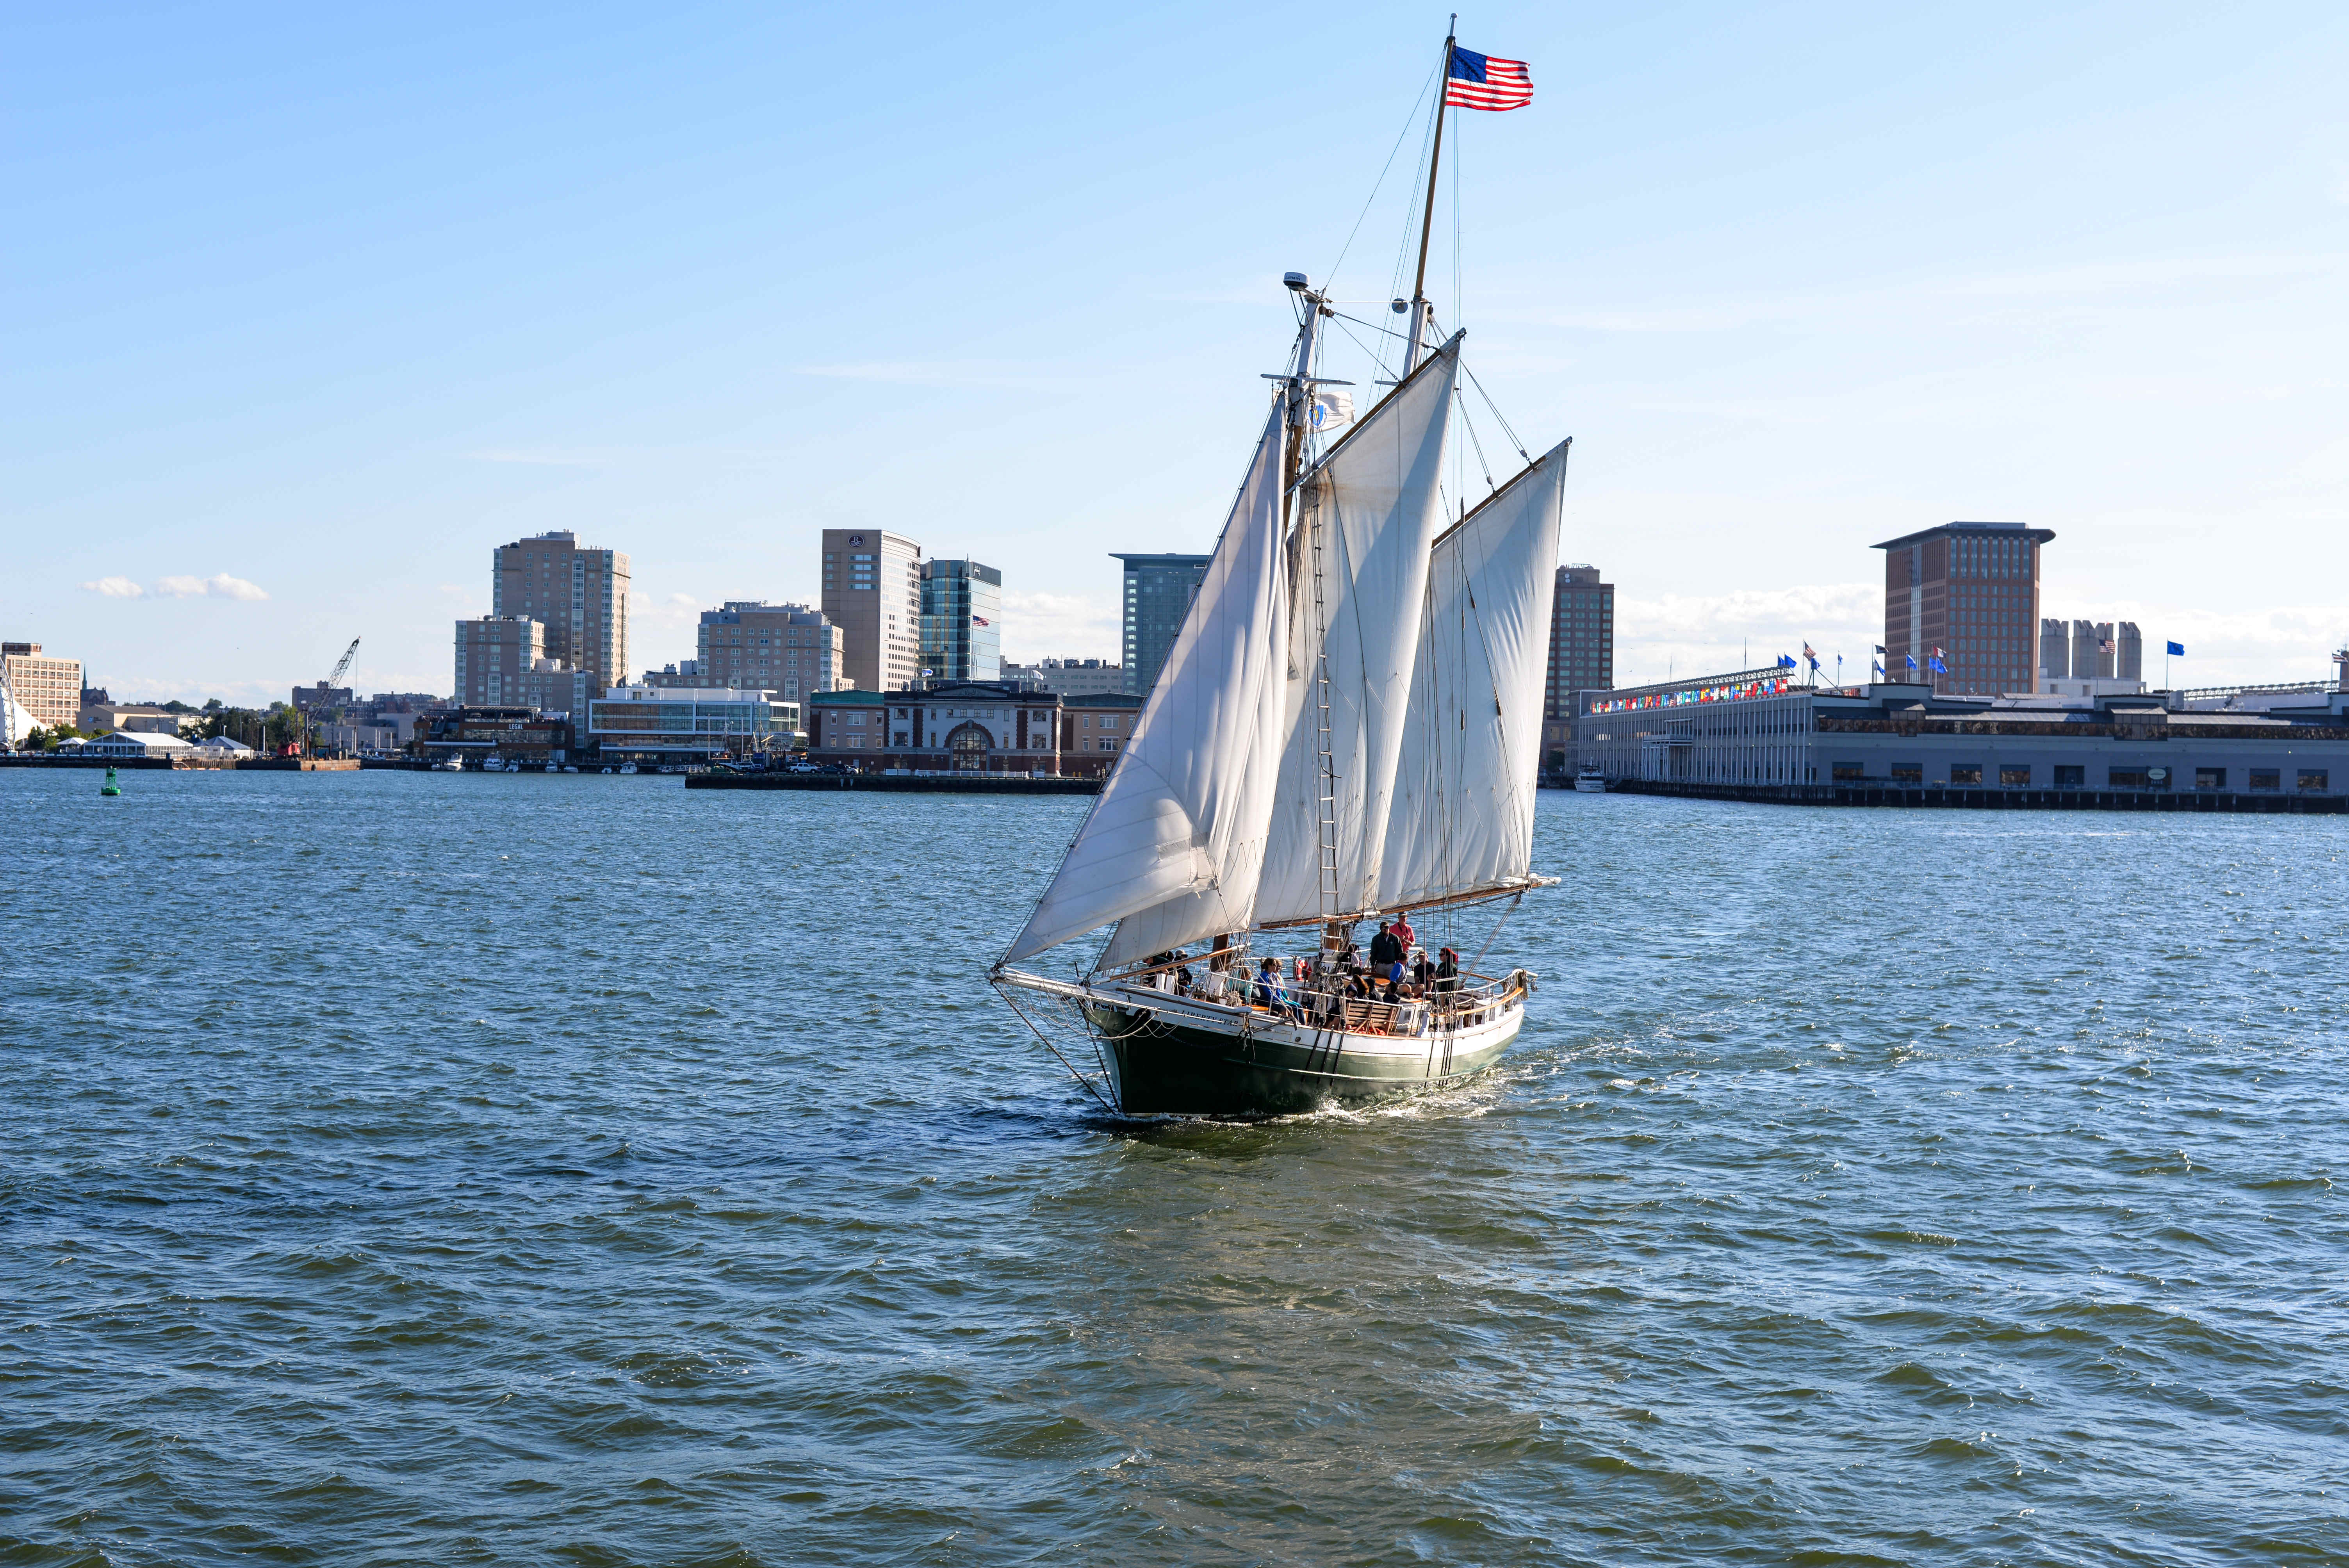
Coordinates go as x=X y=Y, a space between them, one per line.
x=1581 y=656
x=1968 y=594
x=951 y=727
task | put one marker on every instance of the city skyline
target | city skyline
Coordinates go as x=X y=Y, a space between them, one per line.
x=287 y=294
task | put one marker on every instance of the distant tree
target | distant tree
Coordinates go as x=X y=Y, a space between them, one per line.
x=212 y=705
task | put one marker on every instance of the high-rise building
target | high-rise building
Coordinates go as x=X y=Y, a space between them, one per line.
x=747 y=645
x=1581 y=654
x=1967 y=592
x=1158 y=594
x=2055 y=650
x=2128 y=653
x=48 y=689
x=501 y=662
x=962 y=621
x=579 y=595
x=873 y=592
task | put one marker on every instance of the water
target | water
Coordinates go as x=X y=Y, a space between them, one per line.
x=406 y=1167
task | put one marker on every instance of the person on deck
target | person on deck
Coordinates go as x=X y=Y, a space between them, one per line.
x=1447 y=971
x=1269 y=989
x=1405 y=937
x=1383 y=948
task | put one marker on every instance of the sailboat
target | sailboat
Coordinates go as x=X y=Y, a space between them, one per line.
x=1348 y=728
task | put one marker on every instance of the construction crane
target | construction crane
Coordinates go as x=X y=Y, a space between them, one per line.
x=325 y=689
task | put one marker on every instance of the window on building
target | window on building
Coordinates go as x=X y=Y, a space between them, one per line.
x=1907 y=773
x=2014 y=777
x=1965 y=772
x=2129 y=777
x=1848 y=772
x=1109 y=721
x=2069 y=776
x=2264 y=778
x=2210 y=779
x=900 y=738
x=2314 y=780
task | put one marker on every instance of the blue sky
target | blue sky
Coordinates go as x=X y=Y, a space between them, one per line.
x=308 y=309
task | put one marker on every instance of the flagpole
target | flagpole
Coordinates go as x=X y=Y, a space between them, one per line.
x=1427 y=220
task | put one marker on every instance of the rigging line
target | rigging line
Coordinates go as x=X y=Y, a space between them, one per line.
x=1475 y=441
x=1513 y=440
x=1410 y=204
x=1495 y=934
x=1056 y=1051
x=1374 y=325
x=1458 y=310
x=1408 y=121
x=1376 y=360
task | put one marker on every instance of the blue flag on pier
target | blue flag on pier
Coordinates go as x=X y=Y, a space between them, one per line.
x=2178 y=650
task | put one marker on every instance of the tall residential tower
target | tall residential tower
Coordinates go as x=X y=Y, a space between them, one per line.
x=578 y=595
x=1158 y=594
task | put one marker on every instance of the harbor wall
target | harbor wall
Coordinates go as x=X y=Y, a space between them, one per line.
x=1990 y=800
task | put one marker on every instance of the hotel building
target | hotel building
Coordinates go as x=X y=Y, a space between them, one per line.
x=873 y=592
x=1967 y=592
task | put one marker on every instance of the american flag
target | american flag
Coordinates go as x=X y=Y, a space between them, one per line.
x=1482 y=81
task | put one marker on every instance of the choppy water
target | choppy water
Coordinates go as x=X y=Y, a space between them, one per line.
x=409 y=1168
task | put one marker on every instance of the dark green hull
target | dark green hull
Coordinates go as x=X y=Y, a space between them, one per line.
x=1164 y=1069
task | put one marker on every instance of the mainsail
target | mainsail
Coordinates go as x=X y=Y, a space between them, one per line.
x=1179 y=828
x=1372 y=509
x=1462 y=817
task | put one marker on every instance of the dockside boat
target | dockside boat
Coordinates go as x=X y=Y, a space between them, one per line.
x=1347 y=726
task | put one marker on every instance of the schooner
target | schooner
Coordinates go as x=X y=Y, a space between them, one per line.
x=1348 y=728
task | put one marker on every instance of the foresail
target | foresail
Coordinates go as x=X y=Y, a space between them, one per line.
x=1179 y=828
x=1374 y=503
x=1463 y=819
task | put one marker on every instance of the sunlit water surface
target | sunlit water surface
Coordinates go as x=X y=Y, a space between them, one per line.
x=417 y=1168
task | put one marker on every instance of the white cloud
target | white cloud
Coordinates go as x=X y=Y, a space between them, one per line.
x=219 y=585
x=1687 y=635
x=1061 y=626
x=115 y=588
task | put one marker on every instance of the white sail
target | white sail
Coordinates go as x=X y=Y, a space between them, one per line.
x=1463 y=819
x=1374 y=504
x=1179 y=828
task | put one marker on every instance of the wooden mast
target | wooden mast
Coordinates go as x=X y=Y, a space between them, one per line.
x=1416 y=344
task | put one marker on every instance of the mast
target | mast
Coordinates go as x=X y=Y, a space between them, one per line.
x=1300 y=395
x=1417 y=342
x=1300 y=381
